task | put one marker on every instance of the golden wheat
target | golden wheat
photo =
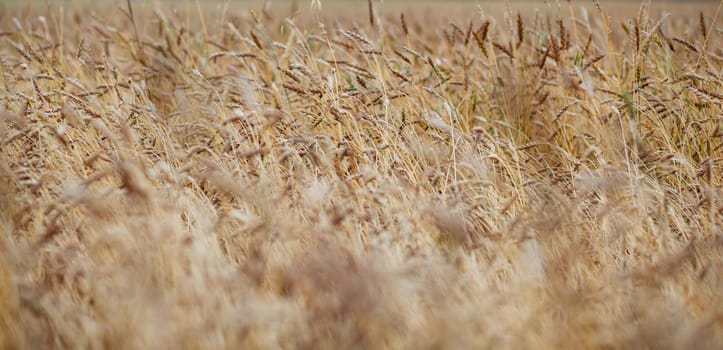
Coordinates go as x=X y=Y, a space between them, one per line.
x=214 y=176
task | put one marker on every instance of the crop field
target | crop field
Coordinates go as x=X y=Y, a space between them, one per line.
x=361 y=175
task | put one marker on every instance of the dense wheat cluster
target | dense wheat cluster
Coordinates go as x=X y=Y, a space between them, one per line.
x=187 y=175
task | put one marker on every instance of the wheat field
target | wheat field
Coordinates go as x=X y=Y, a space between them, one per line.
x=375 y=175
